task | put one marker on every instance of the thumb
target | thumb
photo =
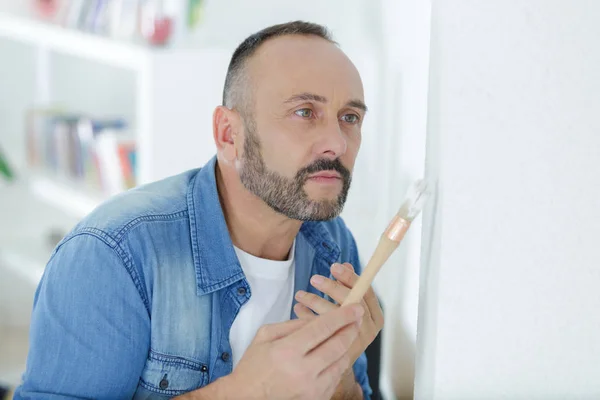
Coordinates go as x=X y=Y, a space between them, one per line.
x=271 y=332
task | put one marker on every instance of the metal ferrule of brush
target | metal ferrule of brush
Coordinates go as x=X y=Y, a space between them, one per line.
x=397 y=229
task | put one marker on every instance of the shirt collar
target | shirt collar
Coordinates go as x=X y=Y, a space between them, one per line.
x=215 y=260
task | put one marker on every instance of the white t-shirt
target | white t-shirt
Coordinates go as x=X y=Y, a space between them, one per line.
x=272 y=288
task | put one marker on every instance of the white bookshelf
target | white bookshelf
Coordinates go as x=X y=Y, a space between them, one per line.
x=68 y=197
x=175 y=93
x=73 y=42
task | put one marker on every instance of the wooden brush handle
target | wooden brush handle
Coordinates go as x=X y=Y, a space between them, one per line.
x=384 y=250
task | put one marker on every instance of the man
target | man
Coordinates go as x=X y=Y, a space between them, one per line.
x=185 y=287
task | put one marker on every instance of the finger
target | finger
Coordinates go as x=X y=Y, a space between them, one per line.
x=347 y=382
x=334 y=349
x=332 y=377
x=271 y=332
x=303 y=312
x=321 y=328
x=352 y=277
x=374 y=308
x=333 y=289
x=315 y=303
x=348 y=277
x=344 y=273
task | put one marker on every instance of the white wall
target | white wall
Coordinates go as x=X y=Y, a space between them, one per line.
x=511 y=265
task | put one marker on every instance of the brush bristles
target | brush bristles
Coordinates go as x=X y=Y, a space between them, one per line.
x=415 y=200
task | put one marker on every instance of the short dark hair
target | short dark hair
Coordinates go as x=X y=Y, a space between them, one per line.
x=249 y=46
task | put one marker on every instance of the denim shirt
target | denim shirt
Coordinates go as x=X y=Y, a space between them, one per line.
x=137 y=301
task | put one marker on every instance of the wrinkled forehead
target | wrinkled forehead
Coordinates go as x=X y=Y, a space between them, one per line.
x=288 y=65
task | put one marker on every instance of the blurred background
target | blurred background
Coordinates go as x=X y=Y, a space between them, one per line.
x=98 y=96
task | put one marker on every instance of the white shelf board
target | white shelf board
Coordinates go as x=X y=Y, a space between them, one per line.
x=73 y=42
x=73 y=201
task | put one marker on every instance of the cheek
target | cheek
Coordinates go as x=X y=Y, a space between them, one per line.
x=290 y=151
x=353 y=146
x=283 y=157
x=354 y=142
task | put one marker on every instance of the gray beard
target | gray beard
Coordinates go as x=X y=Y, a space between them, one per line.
x=287 y=195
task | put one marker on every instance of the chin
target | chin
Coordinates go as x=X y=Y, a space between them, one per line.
x=328 y=216
x=331 y=194
x=324 y=199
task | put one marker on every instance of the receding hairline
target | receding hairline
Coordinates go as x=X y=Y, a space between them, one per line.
x=235 y=91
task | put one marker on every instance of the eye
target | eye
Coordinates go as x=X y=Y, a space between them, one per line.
x=304 y=113
x=350 y=118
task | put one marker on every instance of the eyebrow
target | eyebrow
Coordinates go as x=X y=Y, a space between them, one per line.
x=358 y=104
x=320 y=99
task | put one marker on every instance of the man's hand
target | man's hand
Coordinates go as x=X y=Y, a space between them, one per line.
x=309 y=304
x=348 y=388
x=298 y=359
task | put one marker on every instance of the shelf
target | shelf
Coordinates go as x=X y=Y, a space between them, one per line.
x=71 y=200
x=73 y=42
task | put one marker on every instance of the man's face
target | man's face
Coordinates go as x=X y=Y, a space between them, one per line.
x=302 y=128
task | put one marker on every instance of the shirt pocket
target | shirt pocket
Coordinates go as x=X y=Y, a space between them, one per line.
x=167 y=375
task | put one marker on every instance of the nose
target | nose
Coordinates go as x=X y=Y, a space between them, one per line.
x=332 y=142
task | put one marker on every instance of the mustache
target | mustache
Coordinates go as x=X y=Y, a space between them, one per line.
x=323 y=165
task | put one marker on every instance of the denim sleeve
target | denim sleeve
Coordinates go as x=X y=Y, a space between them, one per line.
x=360 y=373
x=360 y=366
x=90 y=329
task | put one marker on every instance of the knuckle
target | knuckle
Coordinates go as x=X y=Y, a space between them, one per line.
x=260 y=336
x=381 y=321
x=326 y=284
x=310 y=299
x=327 y=324
x=263 y=332
x=338 y=286
x=299 y=310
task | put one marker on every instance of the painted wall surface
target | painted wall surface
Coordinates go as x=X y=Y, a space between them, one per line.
x=511 y=261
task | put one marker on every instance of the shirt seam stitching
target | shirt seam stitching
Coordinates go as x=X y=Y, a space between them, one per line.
x=189 y=363
x=194 y=234
x=157 y=217
x=121 y=254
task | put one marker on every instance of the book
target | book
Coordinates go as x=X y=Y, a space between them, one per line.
x=94 y=153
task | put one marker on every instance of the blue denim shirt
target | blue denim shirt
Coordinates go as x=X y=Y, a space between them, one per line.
x=138 y=299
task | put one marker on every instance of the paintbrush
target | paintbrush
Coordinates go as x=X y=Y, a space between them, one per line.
x=390 y=240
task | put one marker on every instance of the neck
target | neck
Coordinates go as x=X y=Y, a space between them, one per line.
x=254 y=227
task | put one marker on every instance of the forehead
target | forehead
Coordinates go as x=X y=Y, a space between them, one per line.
x=295 y=64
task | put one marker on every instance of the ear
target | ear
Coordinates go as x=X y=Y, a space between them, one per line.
x=226 y=132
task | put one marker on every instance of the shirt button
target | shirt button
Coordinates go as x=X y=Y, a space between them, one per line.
x=241 y=291
x=164 y=383
x=225 y=356
x=204 y=368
